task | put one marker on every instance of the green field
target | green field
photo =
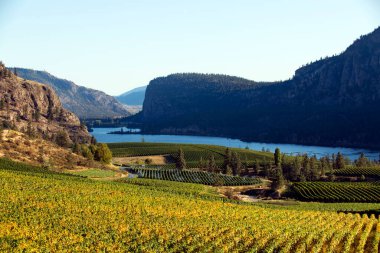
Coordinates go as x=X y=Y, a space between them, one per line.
x=42 y=211
x=197 y=177
x=193 y=152
x=337 y=192
x=94 y=173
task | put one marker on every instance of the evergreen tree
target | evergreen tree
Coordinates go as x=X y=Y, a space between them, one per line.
x=339 y=162
x=267 y=168
x=306 y=171
x=235 y=164
x=211 y=164
x=62 y=139
x=227 y=160
x=314 y=170
x=362 y=161
x=295 y=169
x=181 y=162
x=278 y=181
x=277 y=157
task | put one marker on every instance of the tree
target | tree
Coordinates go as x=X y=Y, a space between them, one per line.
x=279 y=180
x=201 y=163
x=211 y=164
x=295 y=169
x=235 y=164
x=339 y=162
x=86 y=152
x=103 y=153
x=306 y=171
x=228 y=170
x=256 y=167
x=362 y=161
x=277 y=157
x=314 y=171
x=62 y=139
x=227 y=160
x=76 y=148
x=181 y=162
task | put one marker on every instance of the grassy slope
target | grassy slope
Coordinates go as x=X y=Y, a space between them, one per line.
x=44 y=211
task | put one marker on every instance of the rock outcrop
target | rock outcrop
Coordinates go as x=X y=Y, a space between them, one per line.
x=86 y=103
x=35 y=108
x=334 y=101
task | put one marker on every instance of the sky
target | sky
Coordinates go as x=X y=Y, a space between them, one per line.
x=117 y=45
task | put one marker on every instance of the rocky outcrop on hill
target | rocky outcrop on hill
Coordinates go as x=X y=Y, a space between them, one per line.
x=84 y=102
x=334 y=101
x=34 y=108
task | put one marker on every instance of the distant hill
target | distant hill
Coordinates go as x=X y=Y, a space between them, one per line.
x=84 y=102
x=334 y=101
x=133 y=97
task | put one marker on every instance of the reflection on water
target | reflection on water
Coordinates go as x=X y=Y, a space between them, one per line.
x=353 y=153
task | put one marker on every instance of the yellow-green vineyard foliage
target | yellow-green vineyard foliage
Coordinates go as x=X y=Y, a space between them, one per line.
x=45 y=212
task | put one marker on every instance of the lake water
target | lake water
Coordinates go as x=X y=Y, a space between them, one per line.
x=101 y=135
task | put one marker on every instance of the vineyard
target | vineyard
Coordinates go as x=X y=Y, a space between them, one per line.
x=337 y=192
x=193 y=152
x=197 y=177
x=358 y=171
x=50 y=212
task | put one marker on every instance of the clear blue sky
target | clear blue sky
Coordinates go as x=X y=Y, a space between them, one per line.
x=117 y=45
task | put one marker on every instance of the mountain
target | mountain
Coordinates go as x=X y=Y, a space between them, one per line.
x=133 y=97
x=34 y=108
x=84 y=102
x=334 y=101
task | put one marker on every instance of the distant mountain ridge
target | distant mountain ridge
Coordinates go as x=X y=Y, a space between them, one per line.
x=133 y=97
x=84 y=102
x=334 y=101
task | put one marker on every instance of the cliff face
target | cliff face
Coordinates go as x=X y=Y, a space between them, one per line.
x=84 y=102
x=334 y=101
x=25 y=102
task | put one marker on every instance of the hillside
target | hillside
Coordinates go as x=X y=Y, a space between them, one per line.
x=34 y=108
x=133 y=97
x=334 y=101
x=46 y=211
x=84 y=102
x=36 y=151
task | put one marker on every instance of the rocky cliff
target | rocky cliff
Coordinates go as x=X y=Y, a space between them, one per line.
x=35 y=108
x=84 y=102
x=334 y=101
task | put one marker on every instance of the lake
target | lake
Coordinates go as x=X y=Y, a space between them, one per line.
x=292 y=149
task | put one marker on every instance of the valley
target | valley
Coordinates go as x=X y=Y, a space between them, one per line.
x=170 y=145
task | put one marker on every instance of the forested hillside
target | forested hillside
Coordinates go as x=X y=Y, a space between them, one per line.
x=333 y=101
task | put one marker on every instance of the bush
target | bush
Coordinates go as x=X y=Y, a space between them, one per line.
x=103 y=153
